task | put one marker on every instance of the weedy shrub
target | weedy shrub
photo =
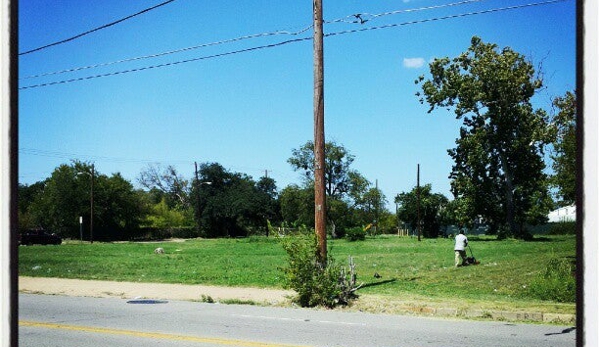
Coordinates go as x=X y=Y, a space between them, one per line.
x=557 y=283
x=207 y=299
x=355 y=234
x=316 y=283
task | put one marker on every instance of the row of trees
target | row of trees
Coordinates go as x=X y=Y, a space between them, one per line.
x=215 y=202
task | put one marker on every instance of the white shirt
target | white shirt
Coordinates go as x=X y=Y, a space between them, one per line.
x=461 y=241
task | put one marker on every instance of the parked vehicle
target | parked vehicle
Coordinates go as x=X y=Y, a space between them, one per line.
x=39 y=237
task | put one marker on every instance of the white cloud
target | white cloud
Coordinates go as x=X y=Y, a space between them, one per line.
x=413 y=63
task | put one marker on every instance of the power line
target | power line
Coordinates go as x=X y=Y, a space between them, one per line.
x=166 y=64
x=387 y=26
x=361 y=18
x=241 y=38
x=96 y=29
x=66 y=155
x=97 y=158
x=253 y=36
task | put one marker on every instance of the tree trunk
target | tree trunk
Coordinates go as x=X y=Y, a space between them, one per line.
x=509 y=194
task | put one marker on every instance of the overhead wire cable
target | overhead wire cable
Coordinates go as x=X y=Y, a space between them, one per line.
x=362 y=18
x=98 y=158
x=241 y=38
x=204 y=45
x=420 y=21
x=167 y=64
x=96 y=29
x=66 y=155
x=278 y=44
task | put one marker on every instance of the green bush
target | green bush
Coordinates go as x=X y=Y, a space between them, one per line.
x=316 y=283
x=562 y=228
x=557 y=283
x=355 y=234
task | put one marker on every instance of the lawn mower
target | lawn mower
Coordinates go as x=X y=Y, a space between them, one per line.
x=471 y=260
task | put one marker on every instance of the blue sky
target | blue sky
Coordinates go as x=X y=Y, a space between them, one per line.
x=248 y=110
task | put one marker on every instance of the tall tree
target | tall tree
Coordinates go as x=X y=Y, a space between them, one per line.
x=499 y=154
x=232 y=204
x=344 y=186
x=27 y=195
x=169 y=182
x=297 y=205
x=564 y=145
x=338 y=179
x=268 y=199
x=66 y=196
x=431 y=205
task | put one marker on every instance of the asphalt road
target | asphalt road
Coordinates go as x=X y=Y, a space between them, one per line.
x=46 y=320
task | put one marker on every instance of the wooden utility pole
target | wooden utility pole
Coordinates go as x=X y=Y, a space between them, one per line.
x=91 y=207
x=376 y=209
x=418 y=198
x=196 y=191
x=319 y=142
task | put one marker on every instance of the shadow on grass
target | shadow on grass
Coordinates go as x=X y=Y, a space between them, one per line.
x=373 y=284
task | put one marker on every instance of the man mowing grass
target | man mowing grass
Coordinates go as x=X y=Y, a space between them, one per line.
x=461 y=241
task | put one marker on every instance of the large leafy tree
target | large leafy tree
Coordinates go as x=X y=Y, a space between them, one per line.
x=65 y=197
x=27 y=195
x=297 y=205
x=430 y=205
x=346 y=189
x=564 y=145
x=233 y=204
x=268 y=200
x=339 y=177
x=166 y=183
x=498 y=161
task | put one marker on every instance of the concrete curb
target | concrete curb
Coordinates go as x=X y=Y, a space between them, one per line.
x=512 y=316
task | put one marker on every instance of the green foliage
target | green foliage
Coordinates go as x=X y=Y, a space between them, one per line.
x=207 y=299
x=149 y=233
x=562 y=228
x=297 y=205
x=163 y=217
x=431 y=205
x=167 y=184
x=355 y=234
x=337 y=166
x=65 y=196
x=351 y=200
x=317 y=282
x=499 y=167
x=27 y=195
x=233 y=204
x=564 y=145
x=557 y=283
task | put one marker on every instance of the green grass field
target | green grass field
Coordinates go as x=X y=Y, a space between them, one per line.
x=408 y=268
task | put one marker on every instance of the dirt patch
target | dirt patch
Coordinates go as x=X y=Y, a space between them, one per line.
x=131 y=290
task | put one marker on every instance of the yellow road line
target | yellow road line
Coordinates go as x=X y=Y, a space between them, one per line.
x=218 y=341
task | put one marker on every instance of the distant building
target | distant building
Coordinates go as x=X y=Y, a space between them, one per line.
x=564 y=214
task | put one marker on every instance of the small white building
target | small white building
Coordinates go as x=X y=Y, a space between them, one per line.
x=564 y=214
